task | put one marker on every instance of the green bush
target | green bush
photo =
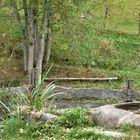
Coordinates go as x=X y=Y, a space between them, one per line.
x=75 y=117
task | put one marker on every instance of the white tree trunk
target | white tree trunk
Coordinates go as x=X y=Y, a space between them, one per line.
x=49 y=34
x=31 y=44
x=48 y=47
x=36 y=42
x=25 y=35
x=24 y=29
x=39 y=60
x=41 y=47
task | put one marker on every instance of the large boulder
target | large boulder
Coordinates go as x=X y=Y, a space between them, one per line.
x=116 y=115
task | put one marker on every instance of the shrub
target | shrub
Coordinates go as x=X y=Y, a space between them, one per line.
x=75 y=117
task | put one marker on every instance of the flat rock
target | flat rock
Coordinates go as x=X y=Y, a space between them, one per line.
x=40 y=116
x=110 y=133
x=106 y=132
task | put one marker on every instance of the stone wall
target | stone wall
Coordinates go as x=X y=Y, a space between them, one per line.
x=71 y=97
x=67 y=104
x=90 y=93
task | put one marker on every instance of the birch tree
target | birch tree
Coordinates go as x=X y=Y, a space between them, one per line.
x=35 y=18
x=33 y=32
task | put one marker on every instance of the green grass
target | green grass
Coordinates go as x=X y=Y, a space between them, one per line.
x=72 y=124
x=82 y=49
x=84 y=43
x=113 y=52
x=16 y=128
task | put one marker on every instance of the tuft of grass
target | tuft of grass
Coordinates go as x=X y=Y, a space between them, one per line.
x=127 y=128
x=76 y=117
x=76 y=134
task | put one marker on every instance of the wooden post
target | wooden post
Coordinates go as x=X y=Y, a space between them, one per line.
x=105 y=17
x=129 y=85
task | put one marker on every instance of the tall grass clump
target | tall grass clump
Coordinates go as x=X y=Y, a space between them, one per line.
x=35 y=99
x=76 y=117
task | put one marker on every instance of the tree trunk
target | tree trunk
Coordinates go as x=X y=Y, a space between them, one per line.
x=25 y=54
x=39 y=60
x=31 y=44
x=49 y=34
x=48 y=46
x=41 y=47
x=36 y=42
x=24 y=29
x=25 y=35
x=36 y=39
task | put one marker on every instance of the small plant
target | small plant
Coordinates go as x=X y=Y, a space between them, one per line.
x=36 y=98
x=75 y=117
x=127 y=128
x=14 y=124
